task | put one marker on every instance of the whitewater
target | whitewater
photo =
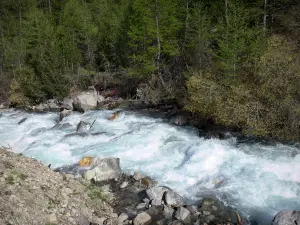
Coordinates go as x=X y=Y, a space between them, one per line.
x=259 y=180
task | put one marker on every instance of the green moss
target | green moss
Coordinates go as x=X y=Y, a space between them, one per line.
x=95 y=191
x=10 y=180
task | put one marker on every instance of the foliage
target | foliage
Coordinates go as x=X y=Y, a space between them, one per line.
x=220 y=57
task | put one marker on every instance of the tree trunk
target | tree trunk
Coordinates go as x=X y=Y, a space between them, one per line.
x=158 y=45
x=49 y=5
x=186 y=23
x=265 y=18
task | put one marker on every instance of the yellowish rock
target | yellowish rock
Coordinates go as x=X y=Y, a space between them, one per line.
x=85 y=161
x=114 y=116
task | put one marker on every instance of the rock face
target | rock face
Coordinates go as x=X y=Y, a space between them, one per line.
x=34 y=194
x=86 y=101
x=287 y=218
x=104 y=169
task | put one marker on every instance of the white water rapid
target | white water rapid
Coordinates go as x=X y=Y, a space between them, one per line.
x=258 y=180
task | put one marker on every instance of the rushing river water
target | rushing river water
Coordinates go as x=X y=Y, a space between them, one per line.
x=257 y=179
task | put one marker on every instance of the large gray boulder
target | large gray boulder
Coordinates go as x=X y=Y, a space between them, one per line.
x=86 y=101
x=287 y=218
x=104 y=169
x=142 y=219
x=67 y=103
x=173 y=199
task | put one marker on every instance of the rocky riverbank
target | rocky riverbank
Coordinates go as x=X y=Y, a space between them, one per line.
x=95 y=191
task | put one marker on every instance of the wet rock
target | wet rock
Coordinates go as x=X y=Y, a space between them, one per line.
x=287 y=218
x=83 y=127
x=142 y=219
x=122 y=217
x=86 y=101
x=146 y=200
x=173 y=199
x=64 y=114
x=67 y=103
x=183 y=215
x=213 y=209
x=138 y=176
x=104 y=169
x=156 y=193
x=22 y=120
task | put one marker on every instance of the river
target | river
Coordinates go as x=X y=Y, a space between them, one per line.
x=259 y=180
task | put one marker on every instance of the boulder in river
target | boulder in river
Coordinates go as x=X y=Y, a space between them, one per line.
x=83 y=127
x=67 y=103
x=64 y=114
x=86 y=101
x=104 y=169
x=291 y=217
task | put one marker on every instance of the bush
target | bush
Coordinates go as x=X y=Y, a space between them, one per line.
x=25 y=88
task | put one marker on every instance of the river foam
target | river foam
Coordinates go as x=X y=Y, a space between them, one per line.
x=257 y=179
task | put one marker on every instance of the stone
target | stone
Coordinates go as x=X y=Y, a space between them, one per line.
x=104 y=169
x=156 y=193
x=53 y=105
x=156 y=202
x=22 y=120
x=183 y=215
x=173 y=199
x=124 y=185
x=67 y=103
x=168 y=212
x=100 y=100
x=85 y=161
x=142 y=219
x=83 y=220
x=138 y=176
x=111 y=221
x=193 y=209
x=175 y=222
x=86 y=101
x=141 y=206
x=122 y=217
x=146 y=200
x=291 y=217
x=41 y=108
x=83 y=127
x=64 y=114
x=52 y=219
x=89 y=174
